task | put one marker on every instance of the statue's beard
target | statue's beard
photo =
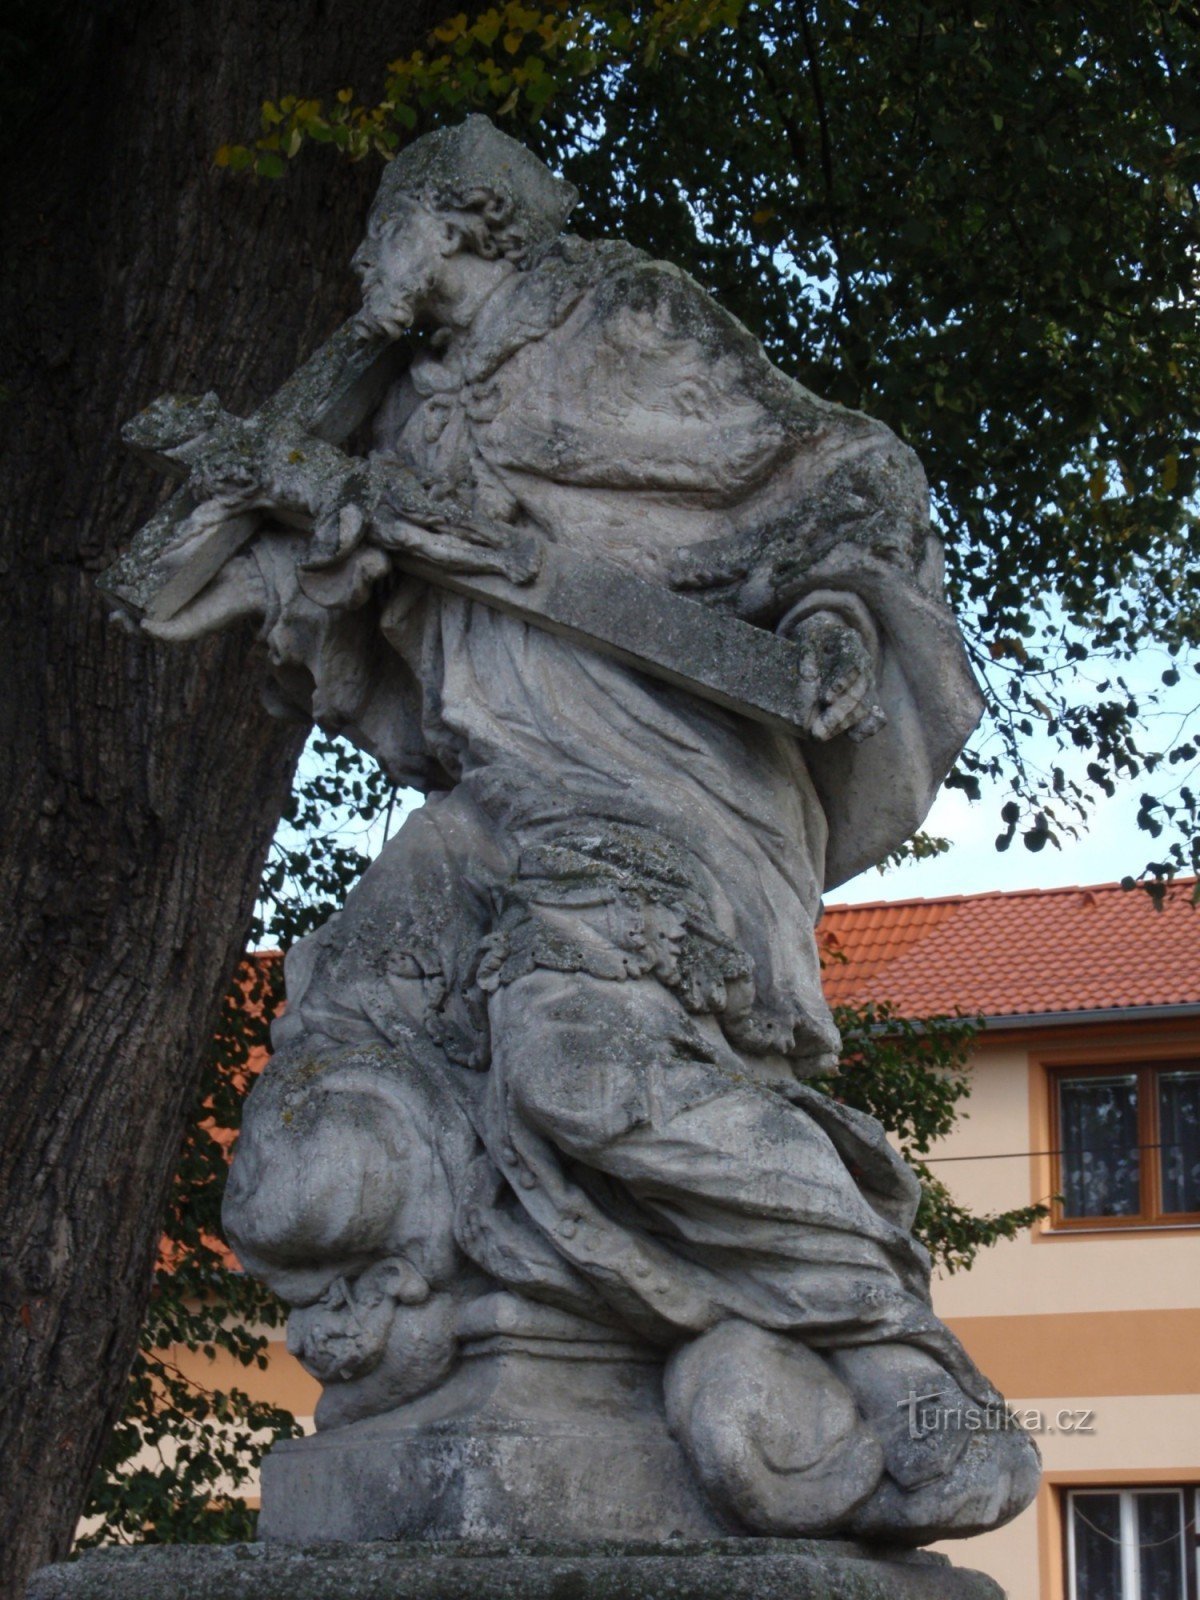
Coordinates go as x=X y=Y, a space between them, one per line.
x=392 y=308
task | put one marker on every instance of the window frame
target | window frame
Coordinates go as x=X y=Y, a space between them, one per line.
x=1149 y=1213
x=1190 y=1504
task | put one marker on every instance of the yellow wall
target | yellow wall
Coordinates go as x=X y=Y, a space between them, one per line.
x=1103 y=1322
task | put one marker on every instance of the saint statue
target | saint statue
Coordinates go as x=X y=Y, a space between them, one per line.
x=545 y=1076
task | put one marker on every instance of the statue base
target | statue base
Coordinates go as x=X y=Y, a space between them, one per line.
x=721 y=1569
x=542 y=1470
x=532 y=1438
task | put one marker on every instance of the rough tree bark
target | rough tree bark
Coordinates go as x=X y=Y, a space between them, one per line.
x=139 y=787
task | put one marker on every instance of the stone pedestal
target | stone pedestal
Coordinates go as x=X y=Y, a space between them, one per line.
x=725 y=1569
x=533 y=1438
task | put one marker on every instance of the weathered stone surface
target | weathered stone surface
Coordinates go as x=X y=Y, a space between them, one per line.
x=569 y=1240
x=749 y=1569
x=750 y=1455
x=553 y=1438
x=587 y=599
x=176 y=554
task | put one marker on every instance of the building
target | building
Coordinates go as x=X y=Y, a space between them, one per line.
x=1086 y=1087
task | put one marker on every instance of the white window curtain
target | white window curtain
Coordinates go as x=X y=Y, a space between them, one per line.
x=1129 y=1544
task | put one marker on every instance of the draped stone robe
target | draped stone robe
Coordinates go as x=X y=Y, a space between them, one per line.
x=596 y=938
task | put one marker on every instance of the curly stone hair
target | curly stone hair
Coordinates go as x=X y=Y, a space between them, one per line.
x=486 y=218
x=505 y=202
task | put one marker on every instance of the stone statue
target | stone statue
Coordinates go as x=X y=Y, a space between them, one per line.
x=572 y=1243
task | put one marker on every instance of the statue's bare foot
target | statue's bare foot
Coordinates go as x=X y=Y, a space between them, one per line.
x=774 y=1437
x=955 y=1466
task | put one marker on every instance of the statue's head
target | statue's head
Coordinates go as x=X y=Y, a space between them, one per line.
x=465 y=189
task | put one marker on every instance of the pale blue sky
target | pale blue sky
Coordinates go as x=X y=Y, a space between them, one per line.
x=1111 y=847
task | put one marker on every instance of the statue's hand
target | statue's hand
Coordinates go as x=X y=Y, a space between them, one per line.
x=844 y=664
x=238 y=593
x=448 y=536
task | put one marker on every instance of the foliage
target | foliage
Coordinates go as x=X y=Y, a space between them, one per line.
x=913 y=1076
x=180 y=1452
x=507 y=59
x=978 y=222
x=321 y=847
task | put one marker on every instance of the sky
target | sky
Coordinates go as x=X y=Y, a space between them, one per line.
x=1111 y=847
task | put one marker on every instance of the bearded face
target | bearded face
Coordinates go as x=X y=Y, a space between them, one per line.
x=401 y=266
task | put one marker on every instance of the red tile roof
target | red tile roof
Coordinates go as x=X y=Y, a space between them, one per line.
x=1007 y=954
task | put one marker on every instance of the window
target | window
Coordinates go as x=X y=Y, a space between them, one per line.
x=1127 y=1144
x=1131 y=1544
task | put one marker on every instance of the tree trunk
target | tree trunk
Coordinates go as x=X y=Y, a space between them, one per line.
x=140 y=787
